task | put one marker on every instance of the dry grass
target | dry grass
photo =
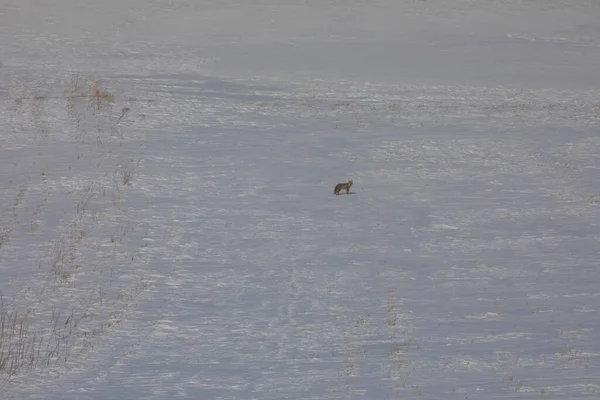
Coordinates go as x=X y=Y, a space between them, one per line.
x=23 y=348
x=125 y=175
x=35 y=333
x=93 y=90
x=100 y=95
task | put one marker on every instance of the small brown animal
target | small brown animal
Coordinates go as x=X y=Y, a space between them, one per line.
x=341 y=186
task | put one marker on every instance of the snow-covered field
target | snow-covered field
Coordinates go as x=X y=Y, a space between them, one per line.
x=167 y=220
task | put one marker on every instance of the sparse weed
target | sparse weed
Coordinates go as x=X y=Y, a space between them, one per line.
x=350 y=369
x=124 y=111
x=79 y=88
x=29 y=336
x=126 y=177
x=125 y=174
x=397 y=349
x=390 y=305
x=101 y=96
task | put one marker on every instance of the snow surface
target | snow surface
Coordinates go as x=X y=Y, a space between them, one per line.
x=168 y=227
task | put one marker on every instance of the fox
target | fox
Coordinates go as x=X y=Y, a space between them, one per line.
x=341 y=186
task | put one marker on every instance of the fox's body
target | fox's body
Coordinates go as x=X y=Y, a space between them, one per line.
x=341 y=186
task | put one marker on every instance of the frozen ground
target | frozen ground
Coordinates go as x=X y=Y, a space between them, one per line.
x=167 y=223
